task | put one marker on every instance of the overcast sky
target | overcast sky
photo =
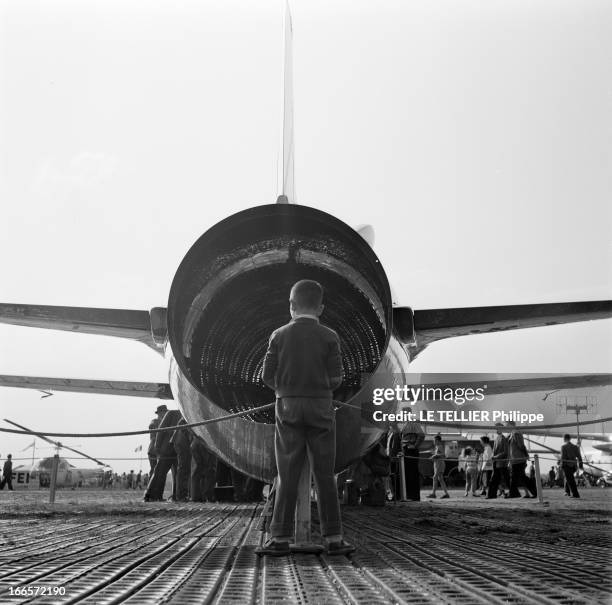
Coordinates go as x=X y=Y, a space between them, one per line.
x=474 y=136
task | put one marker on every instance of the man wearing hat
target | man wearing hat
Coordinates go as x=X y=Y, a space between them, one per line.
x=500 y=462
x=166 y=459
x=151 y=453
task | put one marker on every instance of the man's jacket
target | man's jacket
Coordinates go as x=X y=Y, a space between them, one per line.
x=500 y=451
x=163 y=446
x=303 y=360
x=152 y=425
x=517 y=452
x=570 y=456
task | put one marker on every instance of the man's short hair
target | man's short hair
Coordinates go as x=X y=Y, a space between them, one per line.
x=567 y=437
x=307 y=294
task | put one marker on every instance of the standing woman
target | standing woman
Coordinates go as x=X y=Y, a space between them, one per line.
x=486 y=465
x=439 y=466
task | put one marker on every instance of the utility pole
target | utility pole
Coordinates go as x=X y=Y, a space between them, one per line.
x=577 y=404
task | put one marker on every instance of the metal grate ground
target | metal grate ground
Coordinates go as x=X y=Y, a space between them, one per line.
x=108 y=547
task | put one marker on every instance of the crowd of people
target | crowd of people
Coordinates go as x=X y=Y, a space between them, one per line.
x=193 y=467
x=490 y=468
x=129 y=480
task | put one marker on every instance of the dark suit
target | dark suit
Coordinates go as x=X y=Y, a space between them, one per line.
x=517 y=453
x=500 y=465
x=7 y=475
x=570 y=461
x=151 y=453
x=303 y=365
x=203 y=472
x=166 y=458
x=182 y=448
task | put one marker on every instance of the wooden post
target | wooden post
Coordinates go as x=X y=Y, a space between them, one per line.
x=53 y=481
x=402 y=471
x=303 y=540
x=538 y=478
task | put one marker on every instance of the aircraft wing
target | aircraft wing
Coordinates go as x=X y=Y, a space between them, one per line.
x=533 y=384
x=155 y=390
x=148 y=327
x=527 y=385
x=436 y=324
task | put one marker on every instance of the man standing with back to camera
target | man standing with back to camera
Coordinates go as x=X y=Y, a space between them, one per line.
x=303 y=365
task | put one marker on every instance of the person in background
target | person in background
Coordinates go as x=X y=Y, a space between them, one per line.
x=203 y=471
x=517 y=462
x=471 y=471
x=571 y=460
x=166 y=459
x=486 y=464
x=130 y=480
x=559 y=475
x=138 y=484
x=182 y=447
x=7 y=473
x=500 y=462
x=407 y=442
x=412 y=438
x=151 y=453
x=439 y=467
x=551 y=477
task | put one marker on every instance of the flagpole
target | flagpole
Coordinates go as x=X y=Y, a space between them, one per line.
x=33 y=453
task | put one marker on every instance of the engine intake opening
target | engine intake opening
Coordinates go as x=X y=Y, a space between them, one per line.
x=232 y=290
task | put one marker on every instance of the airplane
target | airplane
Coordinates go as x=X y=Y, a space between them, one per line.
x=230 y=292
x=68 y=475
x=598 y=460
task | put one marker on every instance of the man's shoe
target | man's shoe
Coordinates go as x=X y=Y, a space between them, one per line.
x=431 y=495
x=444 y=496
x=273 y=548
x=340 y=548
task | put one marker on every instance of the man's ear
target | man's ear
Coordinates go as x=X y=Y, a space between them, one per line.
x=320 y=310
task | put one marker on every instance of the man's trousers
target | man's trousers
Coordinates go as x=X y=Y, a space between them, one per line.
x=500 y=473
x=518 y=478
x=305 y=426
x=203 y=473
x=570 y=481
x=157 y=482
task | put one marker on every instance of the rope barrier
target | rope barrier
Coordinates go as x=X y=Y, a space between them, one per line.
x=146 y=431
x=159 y=430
